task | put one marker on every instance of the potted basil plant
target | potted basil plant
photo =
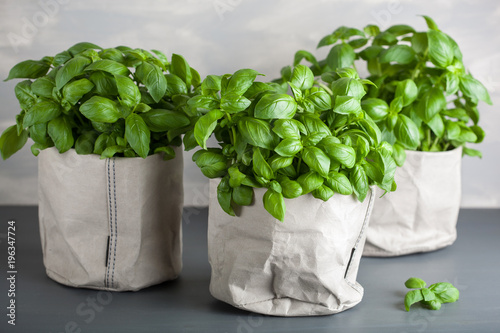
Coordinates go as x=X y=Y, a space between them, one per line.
x=106 y=126
x=426 y=105
x=291 y=188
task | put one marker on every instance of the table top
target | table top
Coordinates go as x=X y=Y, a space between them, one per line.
x=472 y=264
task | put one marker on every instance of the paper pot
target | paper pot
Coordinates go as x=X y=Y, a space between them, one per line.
x=304 y=266
x=421 y=215
x=112 y=224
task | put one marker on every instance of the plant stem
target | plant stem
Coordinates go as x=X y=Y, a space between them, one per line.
x=324 y=86
x=298 y=165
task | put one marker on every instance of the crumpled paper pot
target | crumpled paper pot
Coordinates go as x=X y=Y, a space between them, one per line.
x=112 y=224
x=421 y=215
x=304 y=266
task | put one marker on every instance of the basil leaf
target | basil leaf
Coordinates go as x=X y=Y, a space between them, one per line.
x=302 y=77
x=160 y=120
x=82 y=46
x=407 y=132
x=432 y=305
x=338 y=152
x=100 y=109
x=323 y=192
x=128 y=91
x=175 y=85
x=168 y=152
x=414 y=283
x=310 y=181
x=445 y=292
x=180 y=67
x=299 y=55
x=224 y=194
x=75 y=90
x=240 y=81
x=243 y=195
x=137 y=134
x=152 y=77
x=472 y=88
x=290 y=188
x=25 y=95
x=472 y=152
x=211 y=164
x=257 y=133
x=288 y=147
x=236 y=177
x=11 y=141
x=347 y=86
x=84 y=145
x=321 y=100
x=407 y=89
x=431 y=103
x=437 y=125
x=203 y=102
x=105 y=84
x=278 y=162
x=313 y=124
x=400 y=29
x=233 y=103
x=41 y=112
x=109 y=66
x=72 y=68
x=211 y=84
x=317 y=160
x=274 y=203
x=60 y=132
x=440 y=49
x=275 y=106
x=43 y=86
x=287 y=128
x=340 y=55
x=399 y=154
x=28 y=69
x=205 y=126
x=339 y=183
x=401 y=54
x=260 y=165
x=359 y=182
x=412 y=297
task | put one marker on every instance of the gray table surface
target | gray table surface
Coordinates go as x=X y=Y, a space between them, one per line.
x=185 y=305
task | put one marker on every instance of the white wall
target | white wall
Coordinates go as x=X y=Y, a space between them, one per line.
x=221 y=36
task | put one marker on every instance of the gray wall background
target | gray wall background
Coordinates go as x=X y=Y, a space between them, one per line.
x=221 y=36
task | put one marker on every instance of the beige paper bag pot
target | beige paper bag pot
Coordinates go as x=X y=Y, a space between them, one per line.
x=305 y=266
x=112 y=224
x=421 y=215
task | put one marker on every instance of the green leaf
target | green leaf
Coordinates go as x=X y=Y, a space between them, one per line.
x=43 y=86
x=400 y=29
x=376 y=108
x=301 y=54
x=75 y=90
x=274 y=203
x=430 y=23
x=275 y=106
x=211 y=164
x=175 y=85
x=84 y=145
x=224 y=194
x=240 y=81
x=310 y=181
x=41 y=112
x=341 y=55
x=28 y=69
x=233 y=103
x=290 y=188
x=205 y=126
x=203 y=102
x=60 y=132
x=236 y=177
x=128 y=91
x=137 y=134
x=323 y=192
x=321 y=100
x=72 y=68
x=287 y=128
x=313 y=124
x=427 y=294
x=472 y=152
x=25 y=95
x=82 y=46
x=347 y=86
x=317 y=160
x=302 y=77
x=105 y=84
x=109 y=66
x=11 y=141
x=399 y=154
x=445 y=292
x=407 y=132
x=257 y=133
x=412 y=297
x=100 y=109
x=414 y=283
x=407 y=89
x=452 y=82
x=338 y=152
x=401 y=54
x=371 y=30
x=432 y=102
x=437 y=125
x=181 y=68
x=441 y=51
x=161 y=120
x=339 y=183
x=152 y=77
x=260 y=165
x=359 y=182
x=466 y=134
x=479 y=133
x=243 y=195
x=432 y=305
x=472 y=88
x=112 y=151
x=168 y=152
x=211 y=84
x=327 y=40
x=288 y=147
x=419 y=42
x=347 y=105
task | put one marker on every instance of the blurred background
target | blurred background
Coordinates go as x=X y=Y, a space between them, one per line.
x=221 y=36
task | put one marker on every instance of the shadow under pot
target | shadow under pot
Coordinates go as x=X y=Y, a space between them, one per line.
x=304 y=266
x=421 y=215
x=111 y=224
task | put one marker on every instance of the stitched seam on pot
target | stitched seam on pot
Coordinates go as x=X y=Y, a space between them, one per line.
x=116 y=225
x=106 y=282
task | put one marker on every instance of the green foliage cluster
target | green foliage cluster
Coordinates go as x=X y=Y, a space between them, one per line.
x=317 y=140
x=115 y=101
x=432 y=297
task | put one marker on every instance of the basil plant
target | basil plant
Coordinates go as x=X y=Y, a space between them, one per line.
x=112 y=102
x=318 y=140
x=423 y=98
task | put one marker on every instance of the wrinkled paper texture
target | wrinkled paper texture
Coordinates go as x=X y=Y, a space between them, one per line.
x=421 y=215
x=136 y=202
x=299 y=267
